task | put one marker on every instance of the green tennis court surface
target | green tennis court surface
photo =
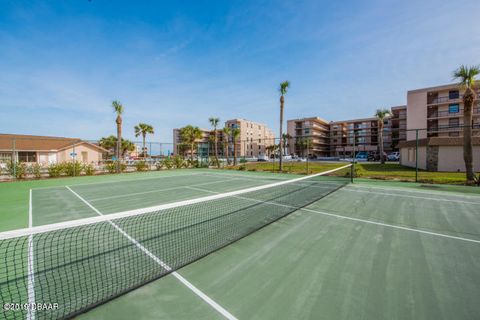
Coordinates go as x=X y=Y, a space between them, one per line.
x=362 y=250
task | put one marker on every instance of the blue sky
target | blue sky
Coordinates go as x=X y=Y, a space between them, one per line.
x=173 y=63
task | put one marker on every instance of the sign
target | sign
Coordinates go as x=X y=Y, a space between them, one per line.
x=114 y=158
x=73 y=154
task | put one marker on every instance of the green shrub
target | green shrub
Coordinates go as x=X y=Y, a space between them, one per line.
x=242 y=167
x=178 y=162
x=243 y=160
x=168 y=163
x=89 y=169
x=55 y=170
x=159 y=165
x=141 y=165
x=111 y=166
x=36 y=170
x=73 y=168
x=17 y=169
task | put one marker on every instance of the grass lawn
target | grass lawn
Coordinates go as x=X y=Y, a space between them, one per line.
x=388 y=171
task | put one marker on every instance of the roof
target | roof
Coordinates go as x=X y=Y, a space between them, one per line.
x=309 y=119
x=40 y=143
x=438 y=141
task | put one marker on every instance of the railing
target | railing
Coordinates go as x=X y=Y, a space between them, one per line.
x=438 y=114
x=444 y=99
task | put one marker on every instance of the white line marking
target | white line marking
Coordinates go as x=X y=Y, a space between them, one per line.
x=159 y=190
x=355 y=219
x=136 y=212
x=189 y=285
x=410 y=196
x=431 y=192
x=30 y=268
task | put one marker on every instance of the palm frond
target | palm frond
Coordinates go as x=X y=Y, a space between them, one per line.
x=117 y=107
x=284 y=87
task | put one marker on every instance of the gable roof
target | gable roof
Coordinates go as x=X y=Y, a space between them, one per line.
x=40 y=143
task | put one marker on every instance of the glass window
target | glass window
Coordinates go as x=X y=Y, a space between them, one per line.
x=453 y=94
x=453 y=108
x=5 y=156
x=27 y=157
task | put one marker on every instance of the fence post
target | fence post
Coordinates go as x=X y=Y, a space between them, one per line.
x=353 y=152
x=74 y=160
x=308 y=152
x=416 y=155
x=14 y=159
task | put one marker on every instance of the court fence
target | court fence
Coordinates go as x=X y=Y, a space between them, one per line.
x=433 y=154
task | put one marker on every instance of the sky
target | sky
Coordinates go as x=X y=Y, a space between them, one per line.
x=173 y=63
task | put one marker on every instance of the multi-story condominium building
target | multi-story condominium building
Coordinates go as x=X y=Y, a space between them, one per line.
x=438 y=113
x=253 y=140
x=315 y=131
x=339 y=138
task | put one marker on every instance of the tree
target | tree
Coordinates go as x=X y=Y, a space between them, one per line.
x=226 y=141
x=118 y=109
x=235 y=136
x=214 y=122
x=191 y=135
x=143 y=129
x=466 y=75
x=110 y=143
x=269 y=150
x=283 y=91
x=286 y=138
x=303 y=144
x=381 y=114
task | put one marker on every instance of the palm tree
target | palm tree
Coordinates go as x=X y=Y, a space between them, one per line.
x=214 y=122
x=110 y=143
x=303 y=144
x=235 y=135
x=381 y=114
x=286 y=137
x=118 y=109
x=466 y=75
x=226 y=139
x=269 y=150
x=190 y=135
x=143 y=129
x=283 y=91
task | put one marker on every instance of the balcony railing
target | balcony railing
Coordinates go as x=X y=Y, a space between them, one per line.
x=446 y=99
x=446 y=113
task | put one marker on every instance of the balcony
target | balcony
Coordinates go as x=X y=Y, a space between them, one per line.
x=445 y=99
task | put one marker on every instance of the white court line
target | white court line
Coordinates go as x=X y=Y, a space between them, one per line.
x=189 y=285
x=409 y=196
x=355 y=219
x=125 y=180
x=159 y=190
x=30 y=267
x=432 y=192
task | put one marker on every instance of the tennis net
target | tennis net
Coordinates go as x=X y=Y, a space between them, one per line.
x=57 y=271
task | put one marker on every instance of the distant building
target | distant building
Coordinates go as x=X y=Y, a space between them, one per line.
x=44 y=150
x=438 y=112
x=316 y=129
x=253 y=140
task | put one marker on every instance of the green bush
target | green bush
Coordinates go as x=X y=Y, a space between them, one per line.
x=111 y=166
x=89 y=169
x=159 y=165
x=168 y=163
x=243 y=160
x=17 y=169
x=141 y=165
x=242 y=167
x=73 y=168
x=36 y=170
x=55 y=170
x=178 y=162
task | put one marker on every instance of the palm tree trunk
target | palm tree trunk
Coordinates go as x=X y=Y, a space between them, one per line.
x=234 y=153
x=216 y=148
x=143 y=147
x=468 y=99
x=226 y=151
x=380 y=140
x=281 y=133
x=119 y=141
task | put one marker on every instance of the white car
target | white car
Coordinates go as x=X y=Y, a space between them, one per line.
x=394 y=156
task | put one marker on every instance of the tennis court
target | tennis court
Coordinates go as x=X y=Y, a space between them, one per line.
x=210 y=244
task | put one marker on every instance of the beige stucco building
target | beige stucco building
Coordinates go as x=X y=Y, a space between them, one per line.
x=45 y=150
x=437 y=113
x=316 y=129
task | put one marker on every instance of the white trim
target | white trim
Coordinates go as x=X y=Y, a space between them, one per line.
x=30 y=263
x=194 y=289
x=136 y=212
x=410 y=196
x=356 y=219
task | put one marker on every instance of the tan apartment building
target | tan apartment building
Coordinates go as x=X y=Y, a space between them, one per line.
x=438 y=112
x=45 y=150
x=316 y=130
x=253 y=140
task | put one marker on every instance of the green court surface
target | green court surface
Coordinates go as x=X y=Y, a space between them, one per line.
x=369 y=250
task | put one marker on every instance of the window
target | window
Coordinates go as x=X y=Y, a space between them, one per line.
x=307 y=131
x=5 y=156
x=453 y=123
x=27 y=157
x=453 y=108
x=453 y=94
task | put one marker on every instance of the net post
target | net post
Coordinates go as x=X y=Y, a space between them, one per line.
x=416 y=155
x=352 y=171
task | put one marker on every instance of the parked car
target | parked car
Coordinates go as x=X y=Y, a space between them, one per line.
x=375 y=156
x=394 y=156
x=361 y=156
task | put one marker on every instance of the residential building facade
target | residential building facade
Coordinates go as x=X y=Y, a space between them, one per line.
x=438 y=114
x=309 y=137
